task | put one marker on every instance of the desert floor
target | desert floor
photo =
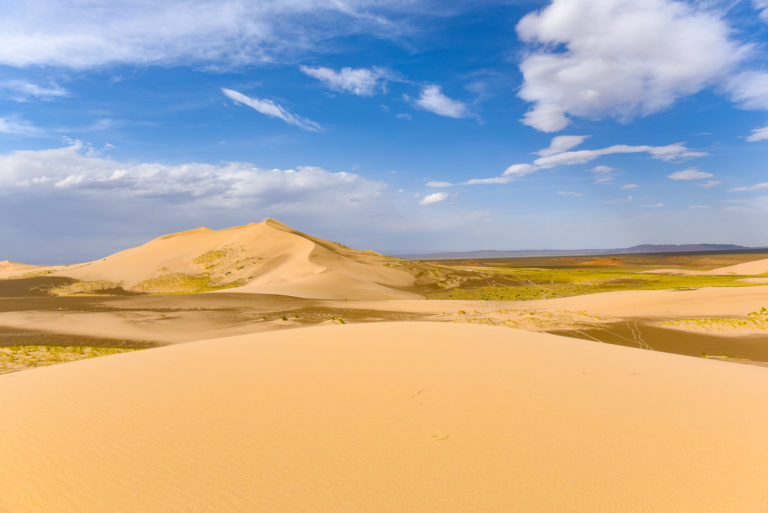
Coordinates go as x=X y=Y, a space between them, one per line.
x=236 y=402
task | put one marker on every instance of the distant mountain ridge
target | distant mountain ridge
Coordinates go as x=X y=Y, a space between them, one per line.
x=642 y=248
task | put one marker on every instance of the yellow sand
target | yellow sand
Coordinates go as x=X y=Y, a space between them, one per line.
x=744 y=269
x=9 y=268
x=710 y=302
x=401 y=417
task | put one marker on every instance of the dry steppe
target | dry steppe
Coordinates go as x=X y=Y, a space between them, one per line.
x=259 y=368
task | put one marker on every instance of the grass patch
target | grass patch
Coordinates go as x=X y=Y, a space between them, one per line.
x=180 y=283
x=83 y=288
x=15 y=358
x=211 y=257
x=527 y=284
x=754 y=321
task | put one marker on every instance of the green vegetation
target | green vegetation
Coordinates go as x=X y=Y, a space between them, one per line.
x=508 y=284
x=29 y=274
x=754 y=321
x=211 y=257
x=15 y=358
x=180 y=283
x=84 y=288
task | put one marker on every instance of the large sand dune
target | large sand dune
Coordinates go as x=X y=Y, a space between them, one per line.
x=399 y=417
x=268 y=257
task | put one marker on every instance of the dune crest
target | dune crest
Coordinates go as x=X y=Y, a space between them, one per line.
x=268 y=257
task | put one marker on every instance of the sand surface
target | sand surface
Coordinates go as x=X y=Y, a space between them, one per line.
x=392 y=417
x=9 y=268
x=745 y=269
x=711 y=301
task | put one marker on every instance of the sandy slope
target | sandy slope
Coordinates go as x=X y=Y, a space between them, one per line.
x=269 y=257
x=745 y=269
x=706 y=302
x=400 y=417
x=9 y=268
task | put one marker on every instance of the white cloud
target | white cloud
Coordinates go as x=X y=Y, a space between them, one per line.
x=77 y=169
x=710 y=183
x=433 y=100
x=490 y=181
x=759 y=134
x=670 y=152
x=603 y=174
x=629 y=186
x=517 y=170
x=509 y=175
x=689 y=174
x=698 y=207
x=749 y=90
x=437 y=184
x=562 y=143
x=14 y=126
x=619 y=58
x=83 y=34
x=762 y=7
x=569 y=193
x=22 y=91
x=435 y=197
x=272 y=109
x=756 y=187
x=359 y=81
x=652 y=205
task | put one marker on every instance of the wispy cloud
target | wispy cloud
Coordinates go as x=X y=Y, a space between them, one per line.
x=762 y=7
x=758 y=134
x=220 y=33
x=433 y=100
x=652 y=205
x=359 y=81
x=570 y=193
x=15 y=126
x=689 y=174
x=710 y=183
x=627 y=199
x=629 y=186
x=749 y=89
x=669 y=152
x=756 y=187
x=272 y=109
x=22 y=91
x=562 y=143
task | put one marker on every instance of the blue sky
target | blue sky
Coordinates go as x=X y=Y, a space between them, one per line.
x=398 y=126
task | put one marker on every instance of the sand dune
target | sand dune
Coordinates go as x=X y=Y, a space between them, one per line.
x=268 y=257
x=9 y=268
x=711 y=301
x=747 y=268
x=386 y=417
